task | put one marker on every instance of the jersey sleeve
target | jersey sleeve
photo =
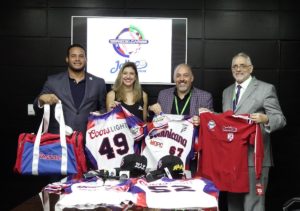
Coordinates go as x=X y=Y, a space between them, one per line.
x=258 y=151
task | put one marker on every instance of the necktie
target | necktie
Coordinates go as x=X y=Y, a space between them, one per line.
x=237 y=95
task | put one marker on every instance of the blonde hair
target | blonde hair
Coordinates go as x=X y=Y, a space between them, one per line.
x=118 y=85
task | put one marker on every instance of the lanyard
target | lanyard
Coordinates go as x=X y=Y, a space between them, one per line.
x=184 y=107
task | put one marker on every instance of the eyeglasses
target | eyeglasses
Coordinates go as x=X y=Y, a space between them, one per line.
x=241 y=66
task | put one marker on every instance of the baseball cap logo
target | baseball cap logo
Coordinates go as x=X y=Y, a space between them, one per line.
x=178 y=167
x=139 y=165
x=135 y=164
x=122 y=162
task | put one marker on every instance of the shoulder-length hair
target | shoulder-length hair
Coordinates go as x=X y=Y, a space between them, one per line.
x=118 y=85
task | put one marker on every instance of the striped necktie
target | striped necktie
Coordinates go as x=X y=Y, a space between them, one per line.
x=237 y=95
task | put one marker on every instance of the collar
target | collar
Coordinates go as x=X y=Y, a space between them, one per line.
x=74 y=80
x=245 y=84
x=185 y=96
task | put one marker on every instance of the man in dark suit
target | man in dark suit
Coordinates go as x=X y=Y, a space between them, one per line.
x=258 y=99
x=183 y=98
x=79 y=91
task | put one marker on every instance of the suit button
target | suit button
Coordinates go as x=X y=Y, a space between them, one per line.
x=77 y=113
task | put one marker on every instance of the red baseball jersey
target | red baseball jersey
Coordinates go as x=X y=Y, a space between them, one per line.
x=223 y=146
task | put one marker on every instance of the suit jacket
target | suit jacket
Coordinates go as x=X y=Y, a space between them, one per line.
x=93 y=100
x=259 y=97
x=199 y=99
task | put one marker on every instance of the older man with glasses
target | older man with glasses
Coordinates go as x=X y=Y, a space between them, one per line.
x=259 y=99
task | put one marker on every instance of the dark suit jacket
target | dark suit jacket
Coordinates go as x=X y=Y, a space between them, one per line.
x=93 y=100
x=199 y=99
x=259 y=97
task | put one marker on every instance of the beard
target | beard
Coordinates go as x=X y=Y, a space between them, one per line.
x=183 y=88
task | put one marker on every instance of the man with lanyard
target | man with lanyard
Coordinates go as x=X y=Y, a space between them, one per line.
x=183 y=99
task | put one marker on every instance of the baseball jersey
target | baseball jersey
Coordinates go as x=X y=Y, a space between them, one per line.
x=167 y=193
x=223 y=146
x=175 y=136
x=111 y=136
x=94 y=194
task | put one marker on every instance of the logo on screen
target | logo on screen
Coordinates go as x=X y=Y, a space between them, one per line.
x=128 y=41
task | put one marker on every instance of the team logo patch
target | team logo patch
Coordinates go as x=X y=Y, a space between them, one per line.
x=230 y=137
x=211 y=124
x=135 y=130
x=259 y=189
x=184 y=128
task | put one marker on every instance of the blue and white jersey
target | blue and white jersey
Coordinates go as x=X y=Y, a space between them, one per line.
x=111 y=136
x=175 y=138
x=94 y=194
x=167 y=193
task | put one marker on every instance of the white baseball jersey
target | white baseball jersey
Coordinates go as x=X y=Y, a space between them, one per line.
x=93 y=194
x=111 y=136
x=175 y=139
x=166 y=193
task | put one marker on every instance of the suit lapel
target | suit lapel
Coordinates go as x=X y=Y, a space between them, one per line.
x=250 y=89
x=67 y=89
x=228 y=96
x=170 y=101
x=193 y=103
